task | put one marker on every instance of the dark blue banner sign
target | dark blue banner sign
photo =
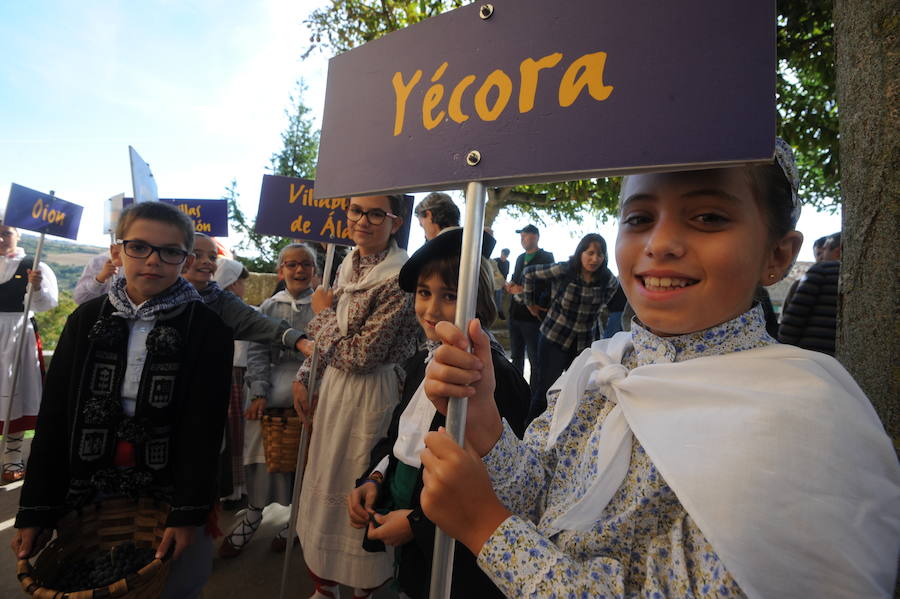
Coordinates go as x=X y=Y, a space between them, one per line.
x=536 y=90
x=35 y=211
x=209 y=216
x=287 y=208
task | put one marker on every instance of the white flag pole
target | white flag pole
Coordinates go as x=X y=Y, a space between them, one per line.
x=467 y=292
x=305 y=434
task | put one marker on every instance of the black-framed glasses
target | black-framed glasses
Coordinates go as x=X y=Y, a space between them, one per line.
x=141 y=249
x=293 y=264
x=375 y=216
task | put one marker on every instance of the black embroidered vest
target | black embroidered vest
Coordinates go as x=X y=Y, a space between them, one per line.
x=100 y=422
x=12 y=292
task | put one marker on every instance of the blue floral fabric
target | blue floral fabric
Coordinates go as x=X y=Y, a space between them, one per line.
x=644 y=543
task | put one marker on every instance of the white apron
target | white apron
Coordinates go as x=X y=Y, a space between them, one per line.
x=360 y=406
x=354 y=411
x=27 y=401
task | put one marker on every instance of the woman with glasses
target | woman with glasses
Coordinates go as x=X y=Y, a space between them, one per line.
x=15 y=275
x=364 y=330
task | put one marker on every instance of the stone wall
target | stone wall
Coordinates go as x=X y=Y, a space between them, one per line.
x=260 y=286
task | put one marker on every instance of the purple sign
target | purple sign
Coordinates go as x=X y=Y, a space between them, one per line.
x=35 y=211
x=209 y=216
x=287 y=208
x=549 y=91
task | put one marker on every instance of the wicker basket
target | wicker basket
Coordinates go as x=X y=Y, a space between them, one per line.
x=281 y=439
x=102 y=526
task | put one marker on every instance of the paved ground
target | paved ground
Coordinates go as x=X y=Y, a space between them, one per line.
x=255 y=574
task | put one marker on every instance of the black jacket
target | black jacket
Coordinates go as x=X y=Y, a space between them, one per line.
x=809 y=319
x=512 y=396
x=178 y=424
x=518 y=310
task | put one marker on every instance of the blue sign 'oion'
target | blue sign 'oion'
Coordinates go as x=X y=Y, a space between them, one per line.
x=43 y=213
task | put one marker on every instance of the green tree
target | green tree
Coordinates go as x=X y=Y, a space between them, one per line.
x=300 y=140
x=51 y=322
x=807 y=105
x=806 y=99
x=297 y=158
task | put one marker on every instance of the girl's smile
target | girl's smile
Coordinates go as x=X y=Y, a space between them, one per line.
x=371 y=238
x=201 y=272
x=297 y=267
x=692 y=248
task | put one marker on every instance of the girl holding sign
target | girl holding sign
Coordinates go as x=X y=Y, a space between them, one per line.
x=693 y=456
x=15 y=275
x=364 y=330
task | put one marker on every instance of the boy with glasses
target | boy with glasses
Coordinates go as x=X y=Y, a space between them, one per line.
x=135 y=400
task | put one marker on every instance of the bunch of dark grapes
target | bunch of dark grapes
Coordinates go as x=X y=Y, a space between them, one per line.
x=101 y=568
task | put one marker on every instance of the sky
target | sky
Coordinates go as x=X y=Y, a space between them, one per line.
x=198 y=87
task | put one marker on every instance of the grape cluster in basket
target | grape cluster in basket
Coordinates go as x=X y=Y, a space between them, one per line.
x=101 y=568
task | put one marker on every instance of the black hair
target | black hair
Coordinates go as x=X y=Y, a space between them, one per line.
x=504 y=252
x=582 y=247
x=833 y=241
x=775 y=196
x=160 y=212
x=447 y=267
x=820 y=242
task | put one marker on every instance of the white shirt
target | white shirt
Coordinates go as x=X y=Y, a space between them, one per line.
x=43 y=299
x=137 y=356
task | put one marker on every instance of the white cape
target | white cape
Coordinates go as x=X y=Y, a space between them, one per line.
x=387 y=268
x=775 y=453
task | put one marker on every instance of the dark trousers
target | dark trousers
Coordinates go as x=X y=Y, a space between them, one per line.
x=523 y=337
x=498 y=299
x=553 y=359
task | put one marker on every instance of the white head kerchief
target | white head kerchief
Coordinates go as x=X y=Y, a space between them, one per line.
x=346 y=286
x=227 y=272
x=775 y=453
x=283 y=297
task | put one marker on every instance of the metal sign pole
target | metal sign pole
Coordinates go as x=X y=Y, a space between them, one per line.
x=305 y=434
x=467 y=292
x=20 y=345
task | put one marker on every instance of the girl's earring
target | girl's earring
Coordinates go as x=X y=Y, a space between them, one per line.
x=771 y=276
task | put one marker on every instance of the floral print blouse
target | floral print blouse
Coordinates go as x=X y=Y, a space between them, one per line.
x=644 y=543
x=382 y=327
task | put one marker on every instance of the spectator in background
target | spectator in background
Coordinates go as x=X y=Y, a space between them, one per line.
x=524 y=327
x=435 y=213
x=615 y=308
x=819 y=247
x=809 y=317
x=831 y=251
x=97 y=277
x=818 y=252
x=581 y=287
x=15 y=275
x=503 y=266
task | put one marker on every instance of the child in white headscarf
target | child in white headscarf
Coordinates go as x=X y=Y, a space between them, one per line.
x=270 y=375
x=232 y=276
